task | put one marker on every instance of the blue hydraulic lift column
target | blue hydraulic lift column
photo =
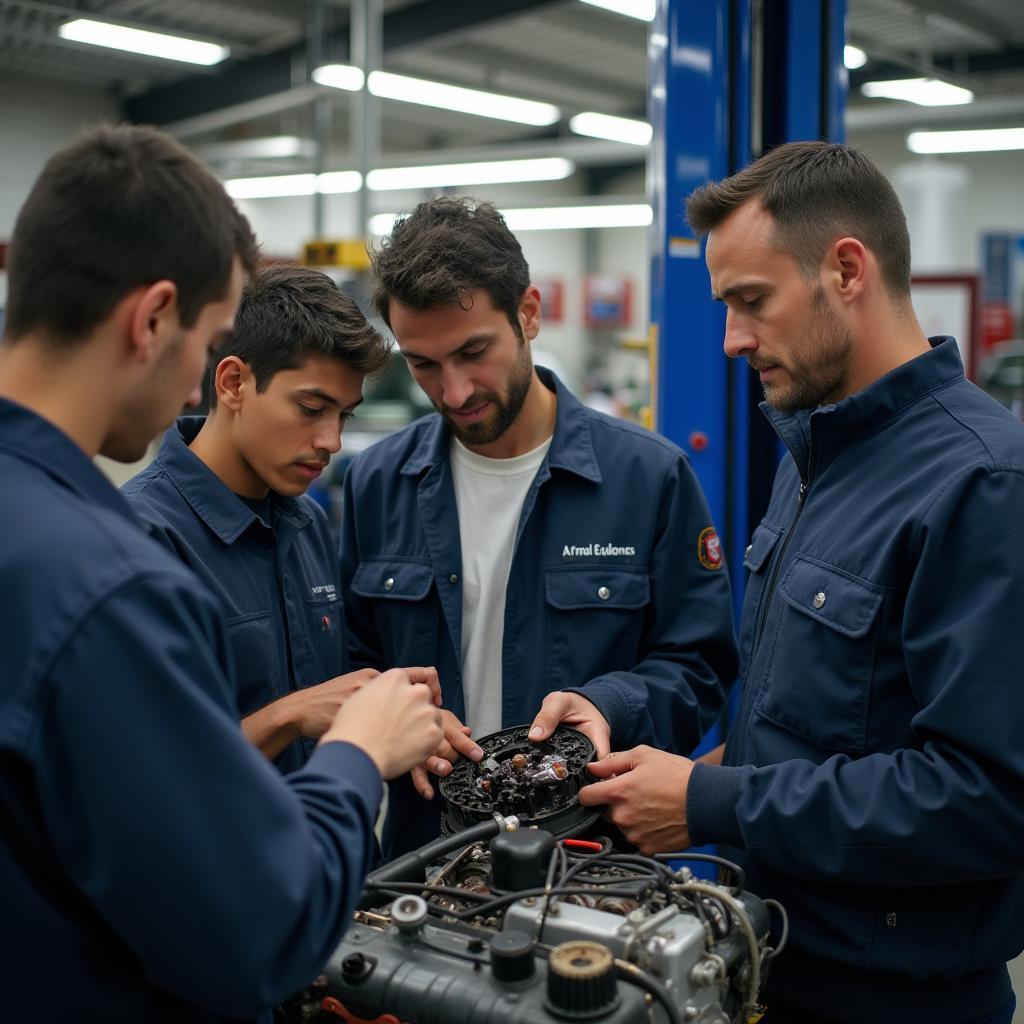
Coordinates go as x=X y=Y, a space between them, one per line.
x=729 y=79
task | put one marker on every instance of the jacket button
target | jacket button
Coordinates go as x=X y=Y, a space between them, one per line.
x=819 y=599
x=604 y=593
x=454 y=578
x=389 y=583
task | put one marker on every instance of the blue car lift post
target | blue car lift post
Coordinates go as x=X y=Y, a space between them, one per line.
x=730 y=79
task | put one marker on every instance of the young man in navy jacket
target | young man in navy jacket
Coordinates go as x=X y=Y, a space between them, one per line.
x=227 y=495
x=554 y=564
x=154 y=867
x=872 y=781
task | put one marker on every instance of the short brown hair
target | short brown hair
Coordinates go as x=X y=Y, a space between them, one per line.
x=289 y=313
x=816 y=192
x=444 y=250
x=118 y=208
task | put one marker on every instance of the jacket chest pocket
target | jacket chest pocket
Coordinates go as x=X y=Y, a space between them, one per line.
x=818 y=671
x=399 y=593
x=594 y=622
x=258 y=672
x=326 y=629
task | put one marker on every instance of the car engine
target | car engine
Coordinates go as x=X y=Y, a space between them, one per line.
x=523 y=913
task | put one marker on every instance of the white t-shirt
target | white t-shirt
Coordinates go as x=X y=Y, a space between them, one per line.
x=489 y=494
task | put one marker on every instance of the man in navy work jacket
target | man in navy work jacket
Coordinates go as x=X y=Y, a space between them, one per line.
x=872 y=781
x=154 y=867
x=226 y=495
x=553 y=563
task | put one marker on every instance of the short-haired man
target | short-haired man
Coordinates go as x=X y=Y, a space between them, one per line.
x=153 y=866
x=226 y=495
x=872 y=780
x=553 y=563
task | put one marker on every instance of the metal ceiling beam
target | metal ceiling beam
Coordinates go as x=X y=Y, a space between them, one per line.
x=275 y=73
x=960 y=65
x=954 y=17
x=978 y=114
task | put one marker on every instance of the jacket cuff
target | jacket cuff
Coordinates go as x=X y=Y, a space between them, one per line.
x=711 y=799
x=608 y=699
x=351 y=764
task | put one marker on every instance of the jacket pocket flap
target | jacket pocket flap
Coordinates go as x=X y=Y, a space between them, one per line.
x=842 y=602
x=390 y=579
x=597 y=588
x=761 y=545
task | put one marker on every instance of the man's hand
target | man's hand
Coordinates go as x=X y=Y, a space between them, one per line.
x=562 y=708
x=457 y=742
x=645 y=790
x=393 y=720
x=428 y=677
x=313 y=708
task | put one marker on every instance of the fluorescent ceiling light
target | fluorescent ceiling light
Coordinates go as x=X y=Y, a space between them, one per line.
x=642 y=9
x=278 y=185
x=553 y=218
x=618 y=129
x=488 y=173
x=466 y=101
x=134 y=40
x=339 y=76
x=270 y=147
x=928 y=92
x=854 y=57
x=977 y=140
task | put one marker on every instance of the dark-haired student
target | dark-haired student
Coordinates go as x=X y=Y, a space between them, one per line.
x=226 y=495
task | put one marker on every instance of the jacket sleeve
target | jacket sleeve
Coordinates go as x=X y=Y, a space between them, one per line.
x=230 y=883
x=945 y=808
x=365 y=649
x=687 y=651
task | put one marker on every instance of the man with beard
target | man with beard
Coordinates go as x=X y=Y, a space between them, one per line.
x=872 y=779
x=554 y=564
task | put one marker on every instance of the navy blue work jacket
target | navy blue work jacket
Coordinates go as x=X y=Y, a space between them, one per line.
x=277 y=581
x=613 y=591
x=878 y=780
x=154 y=867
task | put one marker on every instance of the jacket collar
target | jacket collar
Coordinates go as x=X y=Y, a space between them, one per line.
x=210 y=498
x=572 y=447
x=29 y=437
x=867 y=410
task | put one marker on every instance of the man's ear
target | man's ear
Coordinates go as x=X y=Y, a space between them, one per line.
x=152 y=318
x=848 y=267
x=529 y=312
x=231 y=380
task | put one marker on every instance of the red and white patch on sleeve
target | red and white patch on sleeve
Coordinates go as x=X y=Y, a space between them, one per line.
x=709 y=548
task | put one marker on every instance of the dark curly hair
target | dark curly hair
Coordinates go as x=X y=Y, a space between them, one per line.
x=438 y=254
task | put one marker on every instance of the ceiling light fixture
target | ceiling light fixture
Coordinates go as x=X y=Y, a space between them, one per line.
x=974 y=140
x=854 y=57
x=277 y=185
x=617 y=129
x=465 y=101
x=927 y=92
x=485 y=173
x=150 y=44
x=641 y=9
x=553 y=218
x=339 y=76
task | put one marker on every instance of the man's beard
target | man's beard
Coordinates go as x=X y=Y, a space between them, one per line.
x=821 y=376
x=504 y=409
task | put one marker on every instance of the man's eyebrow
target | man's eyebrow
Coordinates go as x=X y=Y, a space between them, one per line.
x=735 y=289
x=322 y=395
x=473 y=339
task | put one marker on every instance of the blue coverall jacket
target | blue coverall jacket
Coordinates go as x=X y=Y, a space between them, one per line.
x=154 y=867
x=616 y=587
x=277 y=581
x=878 y=780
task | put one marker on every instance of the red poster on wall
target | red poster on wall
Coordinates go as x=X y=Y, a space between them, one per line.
x=607 y=301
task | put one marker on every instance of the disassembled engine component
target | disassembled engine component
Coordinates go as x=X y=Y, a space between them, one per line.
x=537 y=782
